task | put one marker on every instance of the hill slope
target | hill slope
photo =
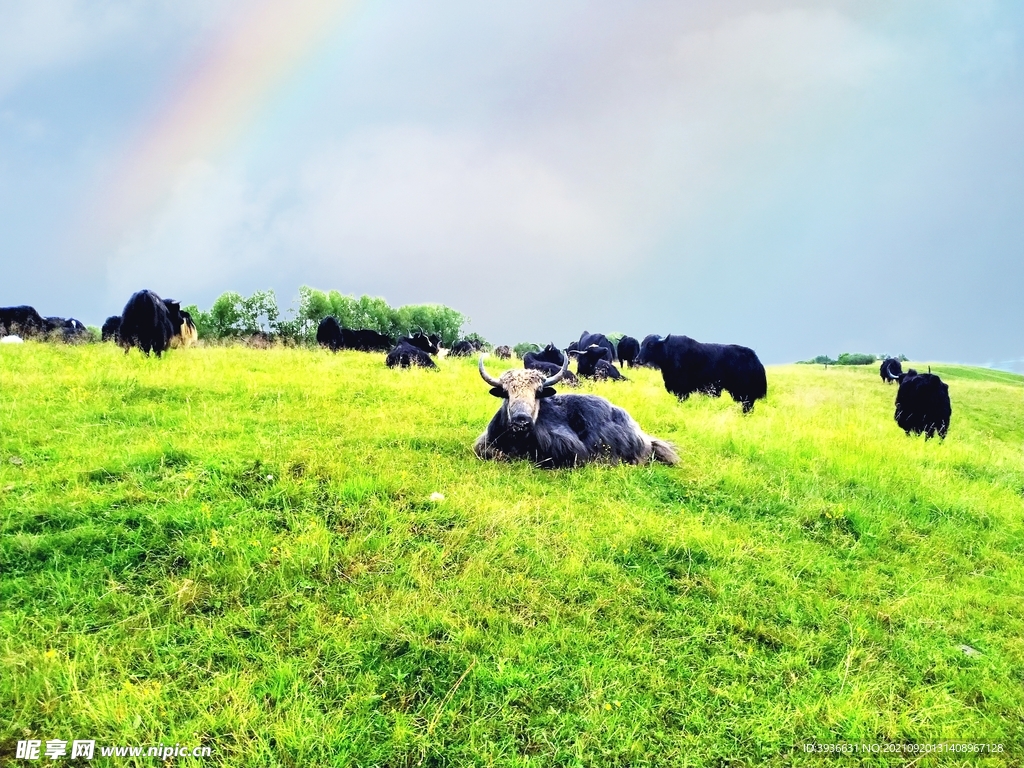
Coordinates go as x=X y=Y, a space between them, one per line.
x=239 y=549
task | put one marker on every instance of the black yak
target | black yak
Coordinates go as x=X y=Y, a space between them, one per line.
x=366 y=340
x=68 y=330
x=405 y=355
x=463 y=348
x=627 y=349
x=550 y=354
x=149 y=323
x=922 y=404
x=553 y=431
x=111 y=330
x=550 y=369
x=23 y=320
x=328 y=334
x=687 y=366
x=589 y=339
x=594 y=362
x=891 y=370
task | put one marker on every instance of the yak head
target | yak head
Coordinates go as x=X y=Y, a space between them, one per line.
x=522 y=389
x=652 y=351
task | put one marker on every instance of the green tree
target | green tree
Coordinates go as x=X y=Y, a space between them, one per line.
x=522 y=348
x=856 y=358
x=225 y=315
x=258 y=313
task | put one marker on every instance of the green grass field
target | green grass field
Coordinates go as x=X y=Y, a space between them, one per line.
x=238 y=549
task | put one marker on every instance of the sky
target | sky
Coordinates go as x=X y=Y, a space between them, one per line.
x=802 y=178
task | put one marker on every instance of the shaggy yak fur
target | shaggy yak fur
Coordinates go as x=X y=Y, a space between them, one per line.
x=553 y=431
x=922 y=404
x=594 y=362
x=687 y=366
x=588 y=339
x=891 y=370
x=111 y=330
x=550 y=369
x=329 y=335
x=628 y=348
x=22 y=320
x=405 y=355
x=550 y=354
x=149 y=323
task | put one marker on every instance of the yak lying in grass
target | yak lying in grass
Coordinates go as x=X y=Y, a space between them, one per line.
x=922 y=404
x=891 y=370
x=413 y=350
x=550 y=369
x=553 y=431
x=588 y=339
x=550 y=354
x=687 y=366
x=465 y=348
x=595 y=362
x=23 y=320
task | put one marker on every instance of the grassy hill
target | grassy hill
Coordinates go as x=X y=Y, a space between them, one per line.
x=239 y=549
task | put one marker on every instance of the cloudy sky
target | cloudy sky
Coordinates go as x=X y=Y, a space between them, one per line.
x=799 y=177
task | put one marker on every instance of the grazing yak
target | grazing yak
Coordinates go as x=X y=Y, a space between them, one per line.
x=111 y=330
x=149 y=323
x=627 y=349
x=555 y=431
x=922 y=404
x=328 y=334
x=22 y=320
x=687 y=366
x=594 y=362
x=503 y=352
x=891 y=370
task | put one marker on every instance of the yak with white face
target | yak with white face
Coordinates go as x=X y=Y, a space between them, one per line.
x=553 y=431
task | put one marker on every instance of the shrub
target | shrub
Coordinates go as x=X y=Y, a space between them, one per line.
x=856 y=358
x=524 y=347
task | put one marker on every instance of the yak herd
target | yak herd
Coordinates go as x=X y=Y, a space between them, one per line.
x=533 y=422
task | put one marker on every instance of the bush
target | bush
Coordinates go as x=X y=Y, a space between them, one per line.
x=233 y=315
x=856 y=358
x=523 y=348
x=819 y=360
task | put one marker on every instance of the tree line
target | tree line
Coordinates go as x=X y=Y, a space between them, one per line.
x=234 y=316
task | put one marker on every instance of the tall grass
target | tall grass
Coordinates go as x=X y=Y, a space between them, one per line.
x=239 y=549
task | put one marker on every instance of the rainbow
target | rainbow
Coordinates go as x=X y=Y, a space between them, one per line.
x=221 y=92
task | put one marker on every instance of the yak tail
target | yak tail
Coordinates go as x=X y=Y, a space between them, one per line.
x=664 y=452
